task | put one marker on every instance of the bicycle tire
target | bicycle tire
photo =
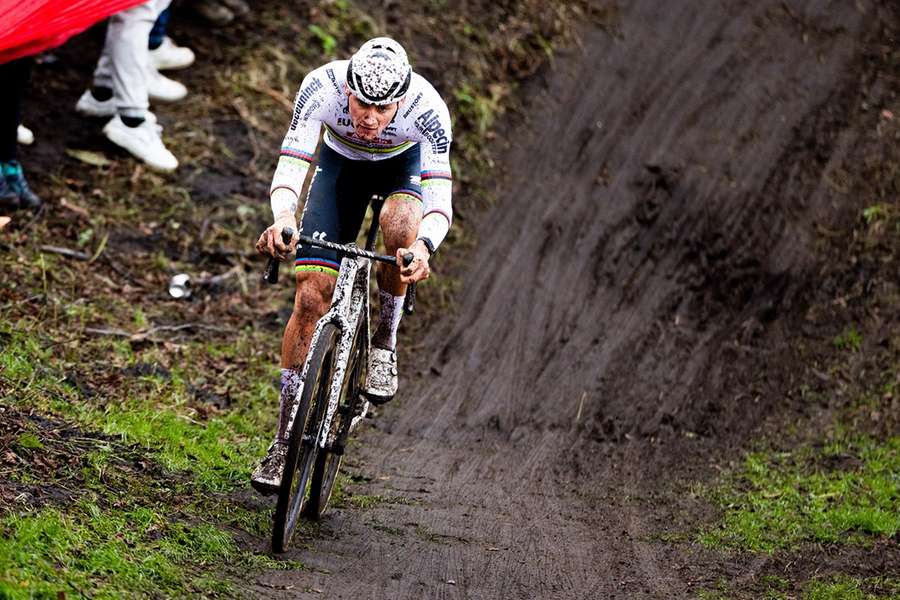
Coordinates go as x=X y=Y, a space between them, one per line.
x=328 y=462
x=302 y=446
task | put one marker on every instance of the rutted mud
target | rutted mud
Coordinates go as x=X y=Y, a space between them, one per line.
x=625 y=314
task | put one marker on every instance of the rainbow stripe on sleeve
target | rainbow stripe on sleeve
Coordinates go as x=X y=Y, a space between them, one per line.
x=298 y=155
x=436 y=175
x=430 y=178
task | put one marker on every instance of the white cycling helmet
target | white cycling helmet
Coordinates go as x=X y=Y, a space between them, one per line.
x=379 y=72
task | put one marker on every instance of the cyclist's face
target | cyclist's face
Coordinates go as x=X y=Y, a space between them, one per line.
x=369 y=120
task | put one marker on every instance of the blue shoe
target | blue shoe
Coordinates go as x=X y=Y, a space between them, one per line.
x=8 y=198
x=15 y=181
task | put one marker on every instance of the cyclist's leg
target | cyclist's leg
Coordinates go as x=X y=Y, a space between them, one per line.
x=311 y=301
x=400 y=218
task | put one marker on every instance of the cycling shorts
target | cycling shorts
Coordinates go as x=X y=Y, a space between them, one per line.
x=339 y=195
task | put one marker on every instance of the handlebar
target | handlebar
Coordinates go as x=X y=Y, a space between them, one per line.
x=355 y=251
x=270 y=275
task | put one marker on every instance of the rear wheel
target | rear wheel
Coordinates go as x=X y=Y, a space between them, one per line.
x=328 y=461
x=302 y=446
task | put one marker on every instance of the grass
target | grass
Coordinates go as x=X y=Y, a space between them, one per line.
x=153 y=411
x=114 y=553
x=852 y=588
x=850 y=339
x=130 y=528
x=847 y=492
x=831 y=588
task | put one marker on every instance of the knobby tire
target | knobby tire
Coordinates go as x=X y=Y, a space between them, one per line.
x=302 y=446
x=328 y=462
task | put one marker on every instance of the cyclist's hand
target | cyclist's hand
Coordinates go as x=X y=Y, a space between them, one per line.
x=270 y=242
x=418 y=269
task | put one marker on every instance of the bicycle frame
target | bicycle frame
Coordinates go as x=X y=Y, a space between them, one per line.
x=349 y=303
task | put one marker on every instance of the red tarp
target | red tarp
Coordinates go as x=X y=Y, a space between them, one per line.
x=31 y=26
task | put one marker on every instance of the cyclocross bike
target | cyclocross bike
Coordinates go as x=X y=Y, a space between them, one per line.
x=331 y=401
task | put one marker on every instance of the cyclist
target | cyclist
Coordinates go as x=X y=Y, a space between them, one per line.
x=387 y=132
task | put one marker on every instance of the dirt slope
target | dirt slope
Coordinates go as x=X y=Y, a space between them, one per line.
x=627 y=312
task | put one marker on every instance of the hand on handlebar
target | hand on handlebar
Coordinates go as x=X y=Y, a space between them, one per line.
x=270 y=242
x=418 y=269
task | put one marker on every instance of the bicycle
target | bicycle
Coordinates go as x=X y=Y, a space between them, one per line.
x=332 y=401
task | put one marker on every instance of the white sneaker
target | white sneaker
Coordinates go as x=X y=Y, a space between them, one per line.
x=381 y=378
x=24 y=136
x=171 y=56
x=143 y=142
x=91 y=107
x=162 y=89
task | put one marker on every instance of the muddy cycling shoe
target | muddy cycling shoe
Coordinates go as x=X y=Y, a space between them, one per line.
x=266 y=479
x=381 y=379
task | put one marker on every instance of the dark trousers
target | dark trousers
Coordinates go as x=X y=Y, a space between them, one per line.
x=14 y=78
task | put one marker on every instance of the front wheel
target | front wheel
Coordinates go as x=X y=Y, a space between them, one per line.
x=328 y=461
x=303 y=437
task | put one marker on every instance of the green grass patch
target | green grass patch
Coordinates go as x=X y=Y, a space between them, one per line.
x=850 y=339
x=123 y=534
x=153 y=411
x=851 y=588
x=113 y=553
x=847 y=491
x=832 y=588
x=108 y=553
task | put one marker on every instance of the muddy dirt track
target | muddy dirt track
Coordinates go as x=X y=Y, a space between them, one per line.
x=624 y=319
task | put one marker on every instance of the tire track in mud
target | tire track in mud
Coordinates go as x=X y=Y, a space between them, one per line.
x=653 y=233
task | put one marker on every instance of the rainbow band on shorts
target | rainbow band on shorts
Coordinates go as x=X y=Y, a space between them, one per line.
x=316 y=265
x=411 y=194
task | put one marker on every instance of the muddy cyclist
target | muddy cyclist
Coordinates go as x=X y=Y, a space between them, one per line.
x=387 y=133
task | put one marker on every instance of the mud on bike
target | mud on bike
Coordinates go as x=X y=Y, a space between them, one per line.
x=331 y=401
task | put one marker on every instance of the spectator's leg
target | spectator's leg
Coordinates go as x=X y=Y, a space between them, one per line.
x=14 y=190
x=158 y=33
x=166 y=55
x=126 y=45
x=133 y=127
x=14 y=76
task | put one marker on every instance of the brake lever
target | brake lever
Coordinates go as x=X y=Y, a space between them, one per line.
x=270 y=275
x=409 y=303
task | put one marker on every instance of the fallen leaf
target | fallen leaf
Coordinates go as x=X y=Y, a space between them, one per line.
x=87 y=156
x=4 y=221
x=74 y=208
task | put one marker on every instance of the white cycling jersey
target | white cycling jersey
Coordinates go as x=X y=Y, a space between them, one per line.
x=422 y=118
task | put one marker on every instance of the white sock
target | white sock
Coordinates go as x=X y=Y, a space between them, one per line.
x=388 y=321
x=290 y=385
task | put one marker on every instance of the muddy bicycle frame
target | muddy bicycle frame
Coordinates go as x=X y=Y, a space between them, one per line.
x=341 y=339
x=349 y=303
